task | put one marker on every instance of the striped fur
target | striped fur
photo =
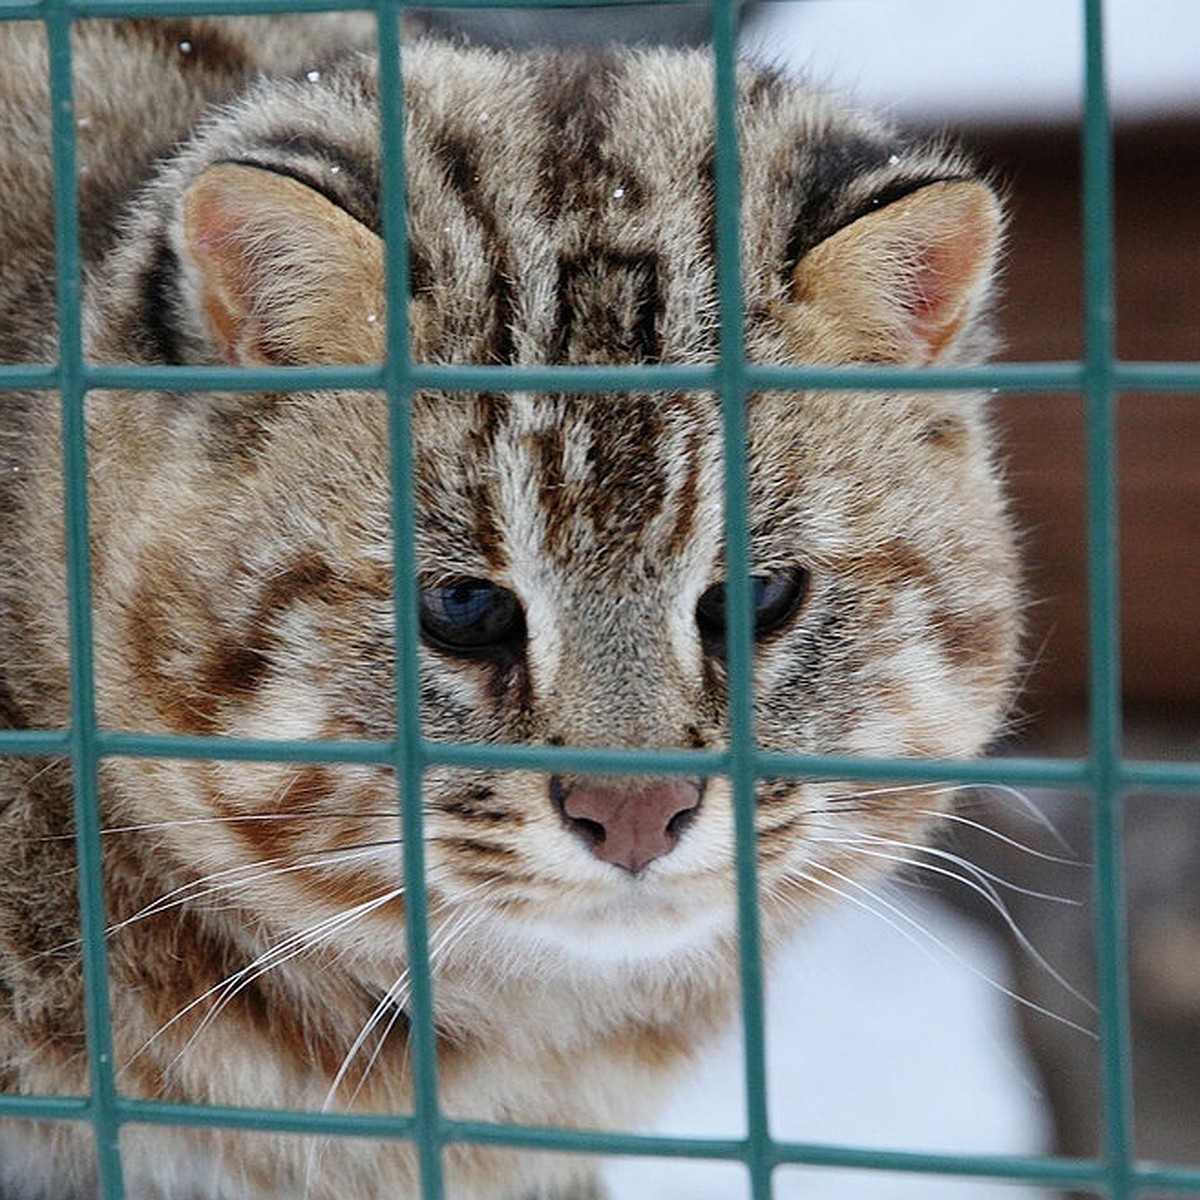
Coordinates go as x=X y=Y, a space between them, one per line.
x=561 y=210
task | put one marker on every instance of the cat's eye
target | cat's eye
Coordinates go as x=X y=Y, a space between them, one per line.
x=471 y=617
x=774 y=600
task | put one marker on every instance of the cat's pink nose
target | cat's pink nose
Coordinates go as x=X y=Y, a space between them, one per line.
x=632 y=825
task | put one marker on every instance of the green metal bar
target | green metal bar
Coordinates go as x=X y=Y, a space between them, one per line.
x=34 y=742
x=1066 y=377
x=1031 y=1169
x=1048 y=1172
x=1156 y=377
x=734 y=389
x=1028 y=772
x=28 y=377
x=427 y=1120
x=1104 y=627
x=998 y=377
x=312 y=1123
x=161 y=745
x=44 y=1108
x=83 y=751
x=1158 y=776
x=1164 y=1178
x=1056 y=773
x=175 y=8
x=234 y=379
x=1044 y=1170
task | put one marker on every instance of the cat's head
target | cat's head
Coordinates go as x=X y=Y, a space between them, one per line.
x=570 y=548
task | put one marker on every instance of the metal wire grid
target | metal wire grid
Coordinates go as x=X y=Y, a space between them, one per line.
x=1103 y=773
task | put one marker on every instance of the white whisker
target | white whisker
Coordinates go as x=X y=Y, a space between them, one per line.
x=1026 y=804
x=894 y=789
x=247 y=818
x=857 y=901
x=292 y=946
x=250 y=873
x=1035 y=815
x=1015 y=843
x=942 y=947
x=983 y=887
x=243 y=874
x=922 y=851
x=391 y=1001
x=392 y=1005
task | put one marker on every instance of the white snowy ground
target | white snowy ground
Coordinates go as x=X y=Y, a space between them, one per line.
x=874 y=1039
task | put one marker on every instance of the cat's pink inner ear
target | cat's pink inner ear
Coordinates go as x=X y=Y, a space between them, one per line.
x=286 y=276
x=900 y=284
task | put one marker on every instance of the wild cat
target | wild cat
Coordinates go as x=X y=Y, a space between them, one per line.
x=570 y=571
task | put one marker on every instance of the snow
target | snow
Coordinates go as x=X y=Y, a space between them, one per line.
x=879 y=1036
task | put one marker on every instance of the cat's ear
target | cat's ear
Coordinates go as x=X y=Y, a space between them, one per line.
x=902 y=283
x=285 y=276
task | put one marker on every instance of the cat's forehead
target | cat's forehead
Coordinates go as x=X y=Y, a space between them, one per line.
x=557 y=217
x=614 y=480
x=616 y=484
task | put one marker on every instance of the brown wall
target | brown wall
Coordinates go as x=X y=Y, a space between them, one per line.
x=1158 y=314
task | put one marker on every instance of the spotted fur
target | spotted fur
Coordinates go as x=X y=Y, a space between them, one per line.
x=561 y=211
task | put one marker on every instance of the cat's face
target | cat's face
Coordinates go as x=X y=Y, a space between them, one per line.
x=570 y=565
x=569 y=553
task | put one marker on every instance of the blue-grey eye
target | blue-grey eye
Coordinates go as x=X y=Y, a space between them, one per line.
x=471 y=616
x=774 y=600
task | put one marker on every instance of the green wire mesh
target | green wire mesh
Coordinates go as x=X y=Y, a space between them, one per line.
x=1103 y=773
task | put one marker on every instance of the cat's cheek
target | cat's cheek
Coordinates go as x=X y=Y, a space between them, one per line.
x=918 y=699
x=306 y=848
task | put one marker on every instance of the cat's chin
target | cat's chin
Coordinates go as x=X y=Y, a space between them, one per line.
x=634 y=929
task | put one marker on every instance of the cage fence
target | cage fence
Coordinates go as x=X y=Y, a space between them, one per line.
x=1104 y=772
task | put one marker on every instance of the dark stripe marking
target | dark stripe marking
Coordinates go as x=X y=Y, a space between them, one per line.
x=460 y=158
x=158 y=313
x=354 y=188
x=821 y=174
x=194 y=48
x=608 y=306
